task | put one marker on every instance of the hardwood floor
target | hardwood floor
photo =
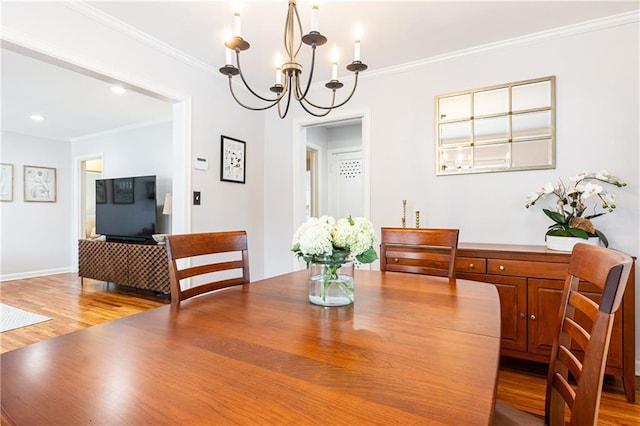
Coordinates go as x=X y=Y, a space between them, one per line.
x=72 y=307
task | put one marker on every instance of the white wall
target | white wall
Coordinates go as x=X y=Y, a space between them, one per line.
x=35 y=235
x=94 y=42
x=138 y=151
x=597 y=110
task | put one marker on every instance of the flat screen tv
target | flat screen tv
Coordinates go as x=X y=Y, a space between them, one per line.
x=126 y=208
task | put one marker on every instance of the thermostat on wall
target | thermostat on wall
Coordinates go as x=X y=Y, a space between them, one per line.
x=201 y=163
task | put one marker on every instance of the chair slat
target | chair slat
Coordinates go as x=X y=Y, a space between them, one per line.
x=608 y=270
x=192 y=246
x=419 y=251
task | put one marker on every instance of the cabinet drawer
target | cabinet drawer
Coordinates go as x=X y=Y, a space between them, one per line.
x=477 y=265
x=527 y=269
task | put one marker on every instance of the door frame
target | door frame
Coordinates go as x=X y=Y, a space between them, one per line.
x=299 y=142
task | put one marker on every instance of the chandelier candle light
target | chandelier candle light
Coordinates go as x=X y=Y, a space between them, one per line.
x=290 y=68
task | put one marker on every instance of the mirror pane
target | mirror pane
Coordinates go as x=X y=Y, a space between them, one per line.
x=498 y=128
x=454 y=107
x=491 y=129
x=529 y=154
x=491 y=102
x=530 y=96
x=531 y=125
x=492 y=156
x=455 y=133
x=456 y=159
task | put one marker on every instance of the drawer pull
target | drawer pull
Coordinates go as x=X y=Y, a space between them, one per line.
x=501 y=267
x=533 y=317
x=471 y=266
x=522 y=315
x=396 y=260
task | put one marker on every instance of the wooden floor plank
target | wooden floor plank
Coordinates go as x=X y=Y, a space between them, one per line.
x=73 y=307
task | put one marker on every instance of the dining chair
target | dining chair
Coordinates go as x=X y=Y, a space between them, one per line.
x=204 y=260
x=419 y=251
x=585 y=324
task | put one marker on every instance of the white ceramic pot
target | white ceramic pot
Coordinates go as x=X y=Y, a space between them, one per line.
x=567 y=243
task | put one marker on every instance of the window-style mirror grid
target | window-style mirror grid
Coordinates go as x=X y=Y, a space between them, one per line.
x=455 y=133
x=455 y=107
x=491 y=102
x=491 y=129
x=456 y=158
x=527 y=154
x=499 y=128
x=492 y=156
x=531 y=125
x=530 y=96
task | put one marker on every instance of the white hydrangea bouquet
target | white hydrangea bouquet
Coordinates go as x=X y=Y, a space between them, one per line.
x=327 y=238
x=333 y=243
x=577 y=204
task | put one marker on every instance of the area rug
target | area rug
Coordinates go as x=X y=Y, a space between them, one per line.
x=11 y=318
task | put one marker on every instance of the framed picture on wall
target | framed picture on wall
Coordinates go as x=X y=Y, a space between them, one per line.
x=6 y=182
x=40 y=184
x=232 y=160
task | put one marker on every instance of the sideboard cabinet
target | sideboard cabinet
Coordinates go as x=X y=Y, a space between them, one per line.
x=134 y=265
x=530 y=280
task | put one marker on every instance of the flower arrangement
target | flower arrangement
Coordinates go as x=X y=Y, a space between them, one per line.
x=577 y=204
x=329 y=242
x=327 y=238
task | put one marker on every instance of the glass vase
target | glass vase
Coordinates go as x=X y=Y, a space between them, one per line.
x=331 y=281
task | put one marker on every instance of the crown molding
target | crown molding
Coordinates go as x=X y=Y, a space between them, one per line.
x=569 y=30
x=560 y=32
x=115 y=24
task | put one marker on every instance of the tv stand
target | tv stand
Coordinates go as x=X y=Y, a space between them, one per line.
x=142 y=266
x=129 y=240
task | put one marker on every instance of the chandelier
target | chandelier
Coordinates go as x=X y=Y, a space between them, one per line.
x=290 y=69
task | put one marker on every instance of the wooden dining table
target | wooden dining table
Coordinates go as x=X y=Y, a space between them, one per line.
x=412 y=349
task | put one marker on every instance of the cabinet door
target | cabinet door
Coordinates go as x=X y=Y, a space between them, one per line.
x=544 y=304
x=513 y=305
x=148 y=268
x=102 y=261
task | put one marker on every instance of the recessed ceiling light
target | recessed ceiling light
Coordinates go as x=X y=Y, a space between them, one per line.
x=118 y=89
x=37 y=117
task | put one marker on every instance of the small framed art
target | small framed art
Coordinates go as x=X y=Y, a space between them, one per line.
x=232 y=160
x=6 y=182
x=40 y=184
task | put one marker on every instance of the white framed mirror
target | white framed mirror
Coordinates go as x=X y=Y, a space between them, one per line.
x=499 y=128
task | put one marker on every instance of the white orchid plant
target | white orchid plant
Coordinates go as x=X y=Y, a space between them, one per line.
x=577 y=204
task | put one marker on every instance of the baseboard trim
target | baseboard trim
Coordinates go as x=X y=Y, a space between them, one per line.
x=34 y=274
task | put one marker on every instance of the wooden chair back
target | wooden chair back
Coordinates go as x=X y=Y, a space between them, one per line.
x=206 y=270
x=419 y=251
x=608 y=270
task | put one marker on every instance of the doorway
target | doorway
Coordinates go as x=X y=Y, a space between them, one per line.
x=90 y=171
x=334 y=164
x=309 y=139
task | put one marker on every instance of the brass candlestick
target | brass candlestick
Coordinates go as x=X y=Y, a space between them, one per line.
x=404 y=213
x=417 y=218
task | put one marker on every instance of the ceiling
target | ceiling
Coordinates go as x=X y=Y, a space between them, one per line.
x=394 y=33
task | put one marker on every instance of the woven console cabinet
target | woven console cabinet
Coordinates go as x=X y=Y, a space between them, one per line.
x=134 y=265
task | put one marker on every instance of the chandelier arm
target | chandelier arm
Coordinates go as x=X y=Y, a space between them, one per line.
x=353 y=90
x=295 y=10
x=314 y=113
x=249 y=107
x=247 y=84
x=286 y=110
x=310 y=79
